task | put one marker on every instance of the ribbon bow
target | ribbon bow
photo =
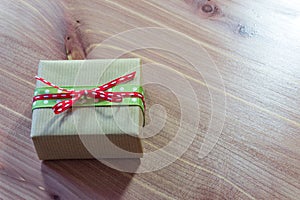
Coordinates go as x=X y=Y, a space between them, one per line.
x=95 y=93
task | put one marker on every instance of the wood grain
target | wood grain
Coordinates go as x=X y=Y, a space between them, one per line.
x=256 y=46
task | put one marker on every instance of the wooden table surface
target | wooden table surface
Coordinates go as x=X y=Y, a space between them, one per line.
x=254 y=44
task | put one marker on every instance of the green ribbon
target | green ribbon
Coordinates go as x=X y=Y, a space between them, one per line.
x=130 y=101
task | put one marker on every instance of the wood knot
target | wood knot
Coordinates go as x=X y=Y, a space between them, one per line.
x=204 y=8
x=74 y=50
x=208 y=9
x=73 y=40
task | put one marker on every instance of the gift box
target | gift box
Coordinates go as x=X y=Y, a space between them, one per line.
x=106 y=115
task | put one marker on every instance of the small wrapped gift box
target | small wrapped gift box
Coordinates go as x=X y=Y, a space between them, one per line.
x=88 y=109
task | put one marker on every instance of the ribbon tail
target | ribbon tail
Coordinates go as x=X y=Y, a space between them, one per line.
x=122 y=79
x=51 y=84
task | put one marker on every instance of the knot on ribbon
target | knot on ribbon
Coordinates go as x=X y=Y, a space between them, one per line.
x=99 y=93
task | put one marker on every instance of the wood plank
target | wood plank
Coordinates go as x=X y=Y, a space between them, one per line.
x=255 y=46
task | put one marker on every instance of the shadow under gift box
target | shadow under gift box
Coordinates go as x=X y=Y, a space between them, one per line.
x=88 y=132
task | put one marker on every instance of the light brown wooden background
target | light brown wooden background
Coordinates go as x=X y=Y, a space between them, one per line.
x=256 y=46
